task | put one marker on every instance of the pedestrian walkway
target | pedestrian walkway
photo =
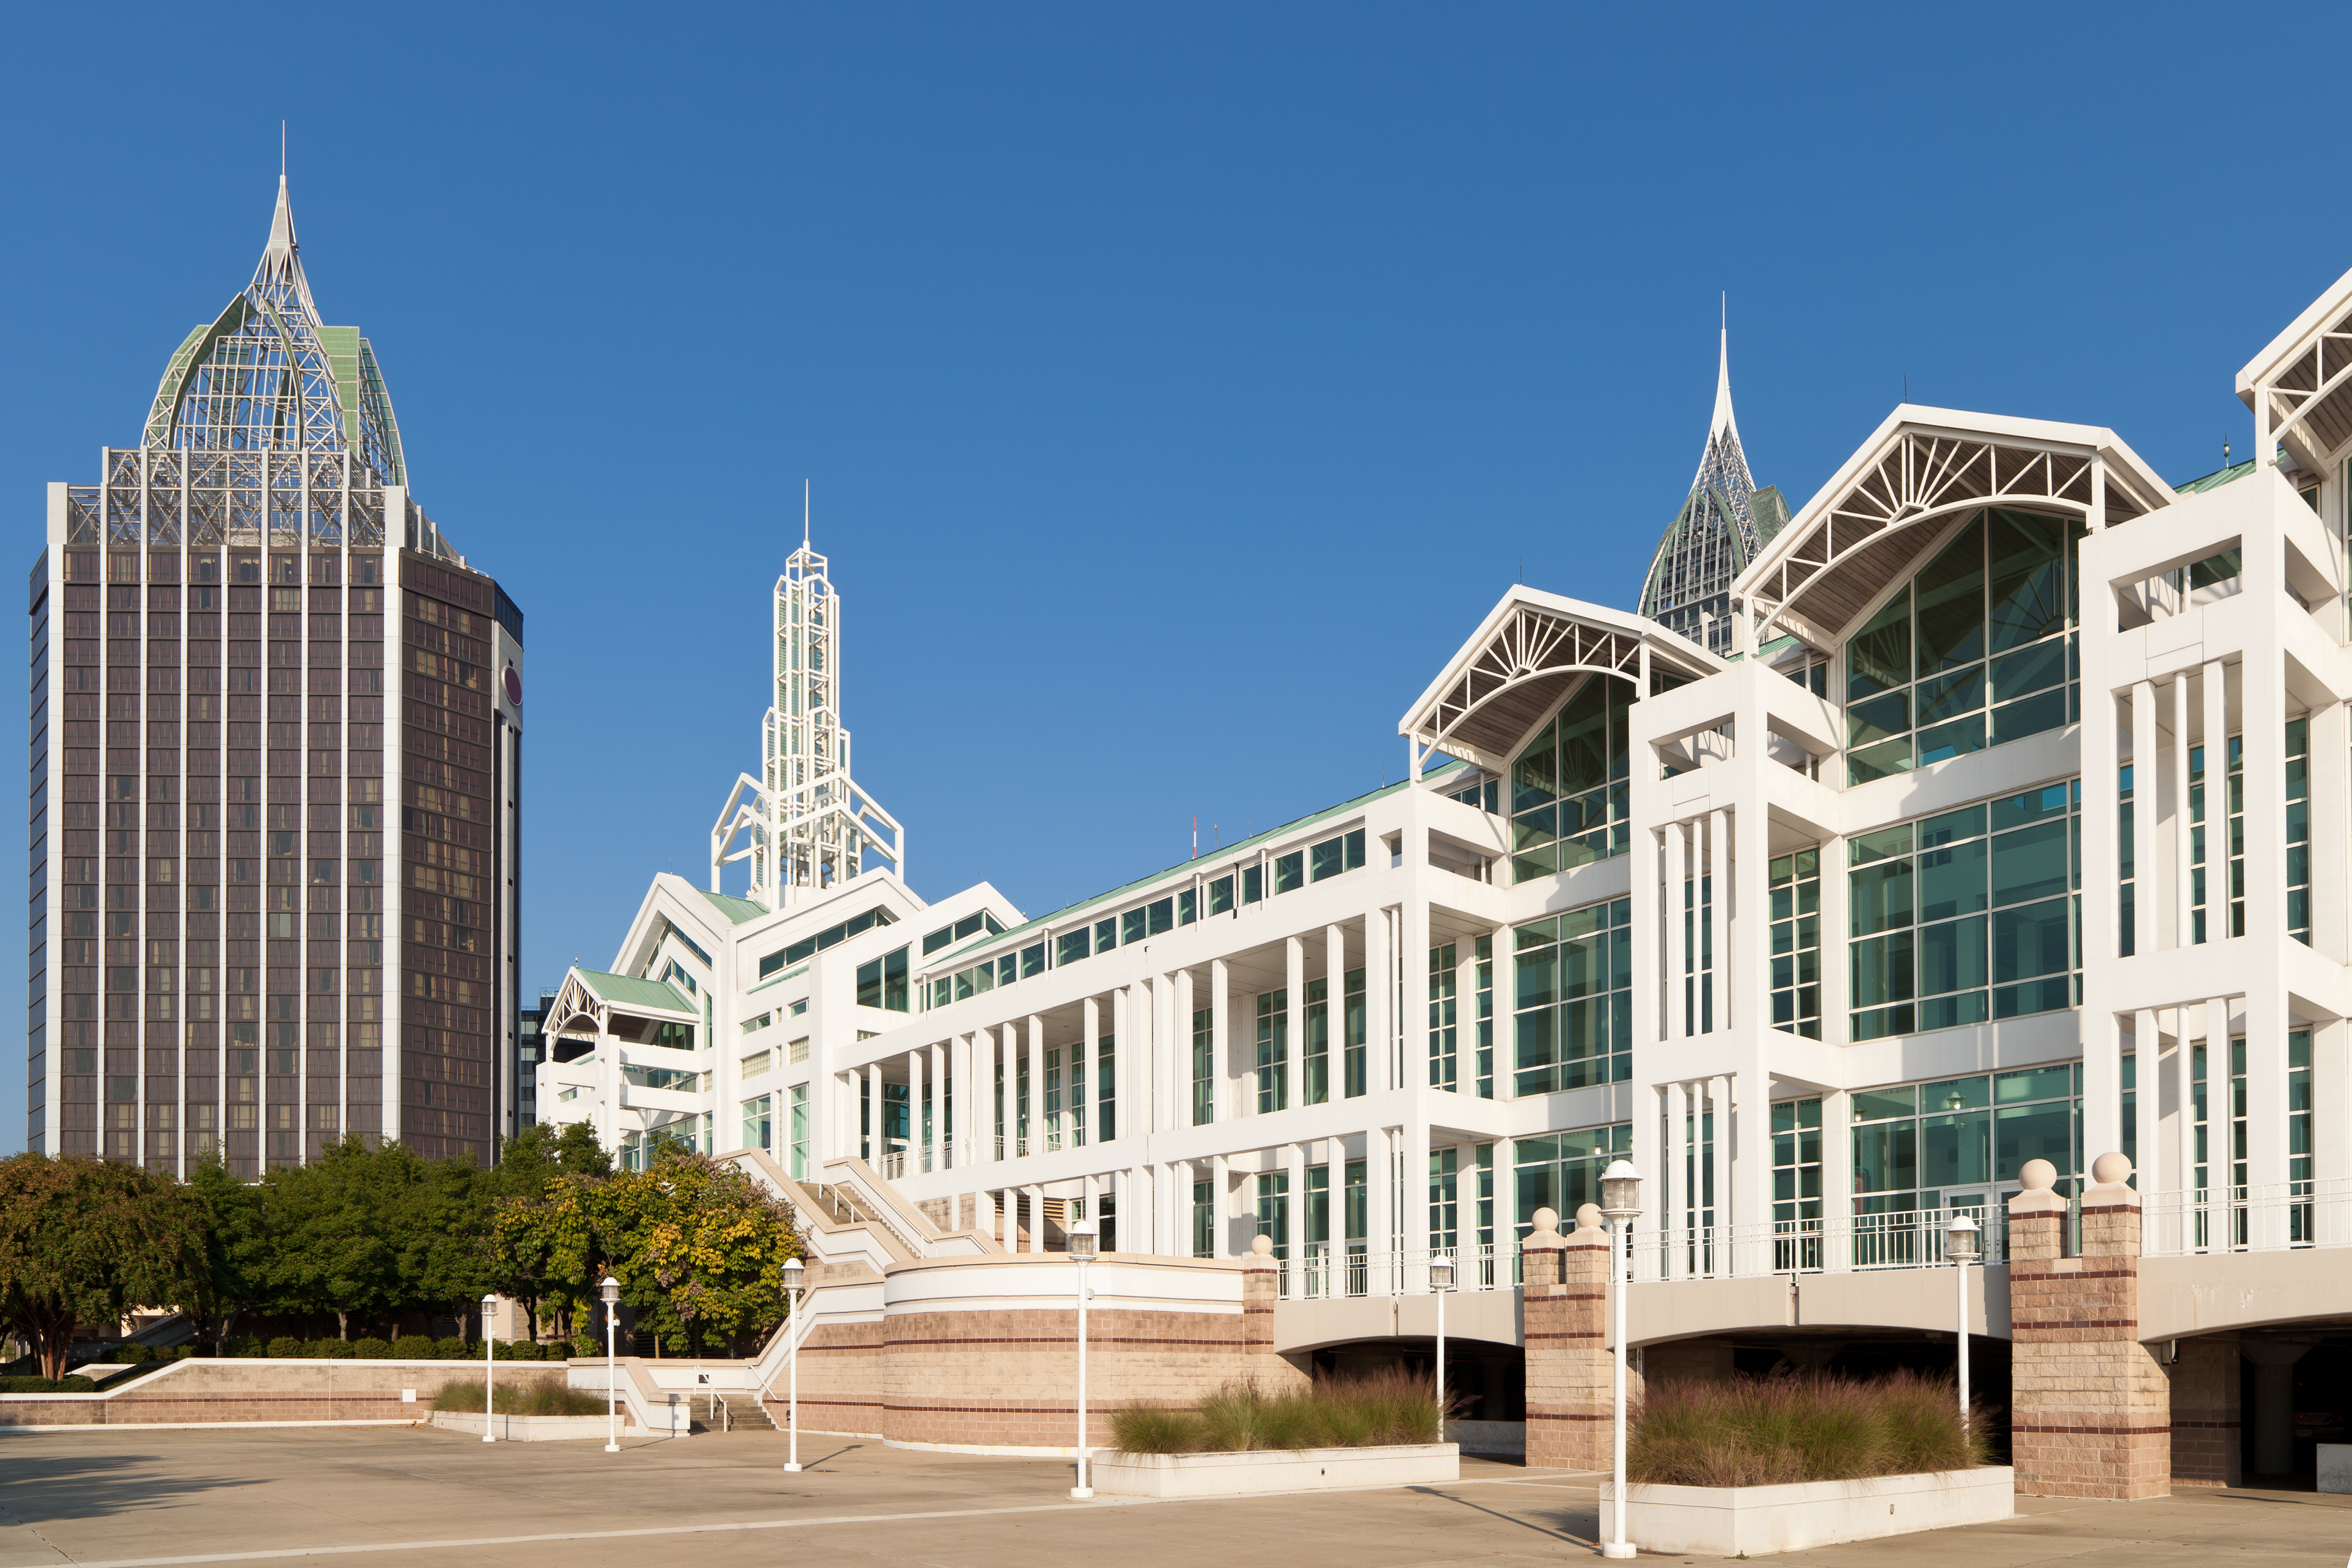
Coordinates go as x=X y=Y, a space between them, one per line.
x=395 y=1497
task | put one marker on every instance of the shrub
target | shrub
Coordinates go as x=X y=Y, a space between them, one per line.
x=372 y=1349
x=517 y=1349
x=412 y=1347
x=333 y=1350
x=47 y=1385
x=1389 y=1408
x=452 y=1348
x=1755 y=1432
x=285 y=1347
x=131 y=1355
x=248 y=1348
x=540 y=1399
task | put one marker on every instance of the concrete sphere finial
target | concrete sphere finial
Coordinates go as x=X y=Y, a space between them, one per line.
x=2110 y=1169
x=1588 y=1216
x=2038 y=1176
x=1547 y=1219
x=1262 y=1246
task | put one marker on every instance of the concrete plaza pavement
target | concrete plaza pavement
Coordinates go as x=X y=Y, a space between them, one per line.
x=395 y=1497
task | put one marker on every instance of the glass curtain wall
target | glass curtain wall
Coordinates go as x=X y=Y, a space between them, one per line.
x=1561 y=1171
x=1568 y=800
x=1572 y=1023
x=1796 y=887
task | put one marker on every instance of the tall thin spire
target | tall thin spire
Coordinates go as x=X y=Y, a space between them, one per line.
x=280 y=267
x=804 y=514
x=1723 y=419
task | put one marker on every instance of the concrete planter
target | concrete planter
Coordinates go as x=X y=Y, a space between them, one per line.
x=1274 y=1470
x=527 y=1429
x=1726 y=1521
x=1504 y=1439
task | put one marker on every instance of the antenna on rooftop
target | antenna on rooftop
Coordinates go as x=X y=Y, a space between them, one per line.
x=282 y=150
x=804 y=514
x=2225 y=454
x=1196 y=836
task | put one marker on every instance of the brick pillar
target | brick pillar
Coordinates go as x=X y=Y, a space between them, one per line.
x=1261 y=1285
x=2090 y=1408
x=1565 y=1302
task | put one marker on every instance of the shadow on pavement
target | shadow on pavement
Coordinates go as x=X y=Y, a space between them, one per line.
x=52 y=1489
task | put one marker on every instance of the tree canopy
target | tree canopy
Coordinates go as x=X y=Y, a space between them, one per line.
x=84 y=1240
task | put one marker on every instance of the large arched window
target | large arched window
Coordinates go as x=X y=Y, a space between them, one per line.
x=1977 y=649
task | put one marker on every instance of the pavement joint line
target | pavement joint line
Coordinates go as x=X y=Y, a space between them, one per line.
x=1095 y=1506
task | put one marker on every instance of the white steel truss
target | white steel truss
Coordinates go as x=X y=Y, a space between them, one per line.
x=804 y=826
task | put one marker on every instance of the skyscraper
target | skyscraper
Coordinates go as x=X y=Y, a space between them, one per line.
x=1723 y=523
x=274 y=850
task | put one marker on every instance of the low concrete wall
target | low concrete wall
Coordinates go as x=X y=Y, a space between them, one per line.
x=1285 y=1470
x=1730 y=1521
x=1504 y=1439
x=531 y=1428
x=241 y=1392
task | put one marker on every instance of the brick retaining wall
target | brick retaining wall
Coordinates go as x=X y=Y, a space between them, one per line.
x=240 y=1389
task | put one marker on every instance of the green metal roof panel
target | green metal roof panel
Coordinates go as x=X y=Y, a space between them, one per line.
x=740 y=911
x=2214 y=480
x=621 y=991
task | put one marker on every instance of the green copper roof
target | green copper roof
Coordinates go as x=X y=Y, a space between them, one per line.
x=2216 y=480
x=738 y=910
x=623 y=992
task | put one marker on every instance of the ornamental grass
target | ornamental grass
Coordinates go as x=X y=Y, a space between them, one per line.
x=1379 y=1409
x=541 y=1399
x=1771 y=1431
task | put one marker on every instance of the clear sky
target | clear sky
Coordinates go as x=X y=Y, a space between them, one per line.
x=1178 y=386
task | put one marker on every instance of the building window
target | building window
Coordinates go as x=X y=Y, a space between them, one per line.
x=1205 y=1070
x=1072 y=945
x=1220 y=896
x=831 y=936
x=1352 y=1022
x=1273 y=1211
x=1187 y=907
x=753 y=1066
x=800 y=1132
x=1204 y=1222
x=1444 y=1026
x=1966 y=916
x=1273 y=1052
x=882 y=981
x=1334 y=856
x=1974 y=651
x=1315 y=1059
x=1561 y=1171
x=2201 y=838
x=1106 y=1088
x=2302 y=1219
x=1796 y=1185
x=1290 y=872
x=1956 y=1143
x=2298 y=830
x=756 y=1129
x=1796 y=882
x=1484 y=954
x=1485 y=793
x=1569 y=799
x=1572 y=1020
x=1444 y=1200
x=1699 y=950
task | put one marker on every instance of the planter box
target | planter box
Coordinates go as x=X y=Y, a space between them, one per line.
x=1726 y=1521
x=528 y=1428
x=1274 y=1470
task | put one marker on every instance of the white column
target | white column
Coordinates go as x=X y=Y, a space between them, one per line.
x=1334 y=1195
x=1377 y=1024
x=1011 y=1233
x=1036 y=1216
x=1180 y=1107
x=1676 y=1188
x=1465 y=1016
x=2216 y=696
x=1169 y=1044
x=877 y=1121
x=1221 y=1241
x=2184 y=919
x=1837 y=991
x=1034 y=1100
x=914 y=1110
x=1379 y=1219
x=2147 y=863
x=1221 y=1066
x=2147 y=1094
x=1413 y=1195
x=1294 y=1216
x=1677 y=937
x=940 y=1159
x=1837 y=1180
x=1718 y=884
x=1139 y=1191
x=1089 y=1071
x=1412 y=1065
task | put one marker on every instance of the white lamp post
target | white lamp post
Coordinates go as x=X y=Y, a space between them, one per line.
x=608 y=1290
x=1082 y=1252
x=1960 y=1247
x=489 y=1342
x=794 y=1275
x=1621 y=1200
x=1441 y=1282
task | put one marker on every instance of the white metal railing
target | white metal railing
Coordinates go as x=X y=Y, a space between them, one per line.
x=1328 y=1272
x=2280 y=1216
x=1848 y=1243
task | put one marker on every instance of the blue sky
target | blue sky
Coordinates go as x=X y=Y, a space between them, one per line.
x=1178 y=387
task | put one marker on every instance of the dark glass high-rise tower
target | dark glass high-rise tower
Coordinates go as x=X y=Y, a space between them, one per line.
x=276 y=768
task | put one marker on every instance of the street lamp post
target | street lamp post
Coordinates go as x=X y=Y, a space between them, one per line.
x=1082 y=1246
x=490 y=1343
x=794 y=1274
x=1621 y=1200
x=608 y=1290
x=1441 y=1284
x=1960 y=1247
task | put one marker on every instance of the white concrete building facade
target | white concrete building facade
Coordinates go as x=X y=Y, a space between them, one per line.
x=2013 y=826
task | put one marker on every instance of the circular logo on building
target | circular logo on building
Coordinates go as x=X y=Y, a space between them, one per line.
x=514 y=687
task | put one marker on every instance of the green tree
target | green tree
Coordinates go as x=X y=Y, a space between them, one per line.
x=231 y=1275
x=325 y=1221
x=84 y=1240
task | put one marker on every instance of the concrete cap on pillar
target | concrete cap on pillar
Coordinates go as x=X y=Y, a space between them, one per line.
x=1545 y=1231
x=1261 y=1252
x=2037 y=1178
x=2110 y=1176
x=1588 y=1219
